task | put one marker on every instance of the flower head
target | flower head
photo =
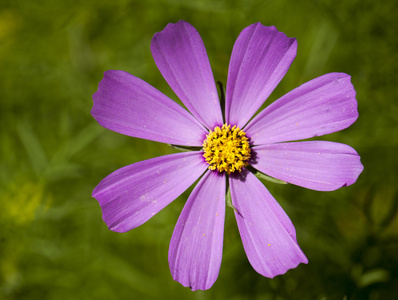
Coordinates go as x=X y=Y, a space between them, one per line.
x=228 y=145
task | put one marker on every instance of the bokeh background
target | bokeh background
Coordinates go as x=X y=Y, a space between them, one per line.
x=53 y=243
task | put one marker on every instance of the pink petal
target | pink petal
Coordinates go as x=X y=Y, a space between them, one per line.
x=196 y=245
x=133 y=194
x=260 y=58
x=128 y=105
x=323 y=105
x=181 y=57
x=317 y=165
x=268 y=235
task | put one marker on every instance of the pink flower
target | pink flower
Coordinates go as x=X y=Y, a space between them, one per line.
x=225 y=153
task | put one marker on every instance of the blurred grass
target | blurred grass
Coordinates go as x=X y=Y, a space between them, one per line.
x=53 y=243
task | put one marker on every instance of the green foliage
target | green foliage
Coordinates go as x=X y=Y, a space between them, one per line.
x=53 y=243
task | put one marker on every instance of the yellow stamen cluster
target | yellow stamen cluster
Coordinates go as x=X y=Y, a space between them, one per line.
x=226 y=149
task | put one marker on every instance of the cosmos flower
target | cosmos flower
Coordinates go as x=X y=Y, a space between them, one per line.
x=228 y=145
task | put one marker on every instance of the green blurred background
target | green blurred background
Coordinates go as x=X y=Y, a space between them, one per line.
x=53 y=243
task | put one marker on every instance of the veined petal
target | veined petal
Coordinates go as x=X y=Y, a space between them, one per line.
x=129 y=105
x=323 y=105
x=268 y=235
x=133 y=194
x=317 y=165
x=260 y=58
x=181 y=57
x=196 y=245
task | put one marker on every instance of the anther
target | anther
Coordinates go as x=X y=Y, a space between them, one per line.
x=227 y=149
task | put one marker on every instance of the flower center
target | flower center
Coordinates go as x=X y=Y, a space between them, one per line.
x=226 y=149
